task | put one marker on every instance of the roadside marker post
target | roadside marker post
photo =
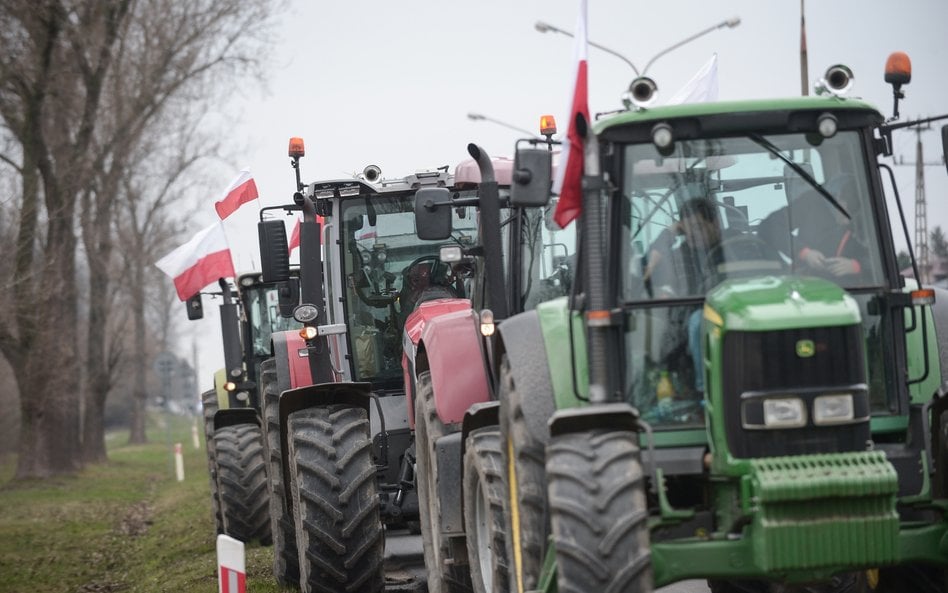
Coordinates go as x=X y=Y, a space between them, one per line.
x=231 y=565
x=194 y=435
x=178 y=462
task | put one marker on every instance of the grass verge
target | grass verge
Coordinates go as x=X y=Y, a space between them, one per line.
x=127 y=525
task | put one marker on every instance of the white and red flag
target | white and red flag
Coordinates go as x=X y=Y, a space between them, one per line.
x=240 y=191
x=199 y=262
x=295 y=235
x=569 y=174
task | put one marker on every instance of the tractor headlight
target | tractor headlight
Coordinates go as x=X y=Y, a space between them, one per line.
x=785 y=412
x=833 y=409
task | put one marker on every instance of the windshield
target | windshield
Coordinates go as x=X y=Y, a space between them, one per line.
x=725 y=208
x=261 y=304
x=389 y=271
x=549 y=257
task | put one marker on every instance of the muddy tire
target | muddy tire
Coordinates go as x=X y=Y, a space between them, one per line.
x=335 y=500
x=443 y=576
x=484 y=496
x=524 y=459
x=598 y=512
x=286 y=563
x=209 y=403
x=242 y=480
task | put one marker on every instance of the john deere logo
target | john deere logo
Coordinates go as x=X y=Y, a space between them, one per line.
x=805 y=348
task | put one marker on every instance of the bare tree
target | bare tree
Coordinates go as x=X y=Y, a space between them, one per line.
x=117 y=65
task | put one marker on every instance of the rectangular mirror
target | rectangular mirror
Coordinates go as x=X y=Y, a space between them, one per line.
x=532 y=177
x=433 y=213
x=274 y=250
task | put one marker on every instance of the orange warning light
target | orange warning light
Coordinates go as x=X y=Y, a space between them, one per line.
x=898 y=68
x=296 y=147
x=547 y=125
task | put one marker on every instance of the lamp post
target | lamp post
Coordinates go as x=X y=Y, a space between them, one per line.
x=481 y=117
x=730 y=23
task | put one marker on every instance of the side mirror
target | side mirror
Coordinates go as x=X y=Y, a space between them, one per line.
x=532 y=177
x=944 y=145
x=288 y=294
x=433 y=213
x=195 y=307
x=274 y=251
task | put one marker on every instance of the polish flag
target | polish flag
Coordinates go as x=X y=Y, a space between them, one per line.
x=569 y=175
x=295 y=235
x=240 y=191
x=199 y=262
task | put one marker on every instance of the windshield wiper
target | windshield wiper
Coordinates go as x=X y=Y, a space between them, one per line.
x=799 y=171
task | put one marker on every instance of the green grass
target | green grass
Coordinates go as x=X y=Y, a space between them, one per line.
x=127 y=526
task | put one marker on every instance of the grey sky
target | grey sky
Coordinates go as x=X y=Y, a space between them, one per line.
x=390 y=83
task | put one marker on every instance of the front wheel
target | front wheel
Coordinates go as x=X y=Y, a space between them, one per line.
x=598 y=512
x=444 y=574
x=335 y=500
x=209 y=401
x=484 y=496
x=286 y=561
x=242 y=482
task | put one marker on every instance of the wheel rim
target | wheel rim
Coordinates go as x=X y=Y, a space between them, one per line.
x=485 y=552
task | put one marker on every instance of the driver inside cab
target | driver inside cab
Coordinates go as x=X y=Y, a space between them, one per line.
x=706 y=254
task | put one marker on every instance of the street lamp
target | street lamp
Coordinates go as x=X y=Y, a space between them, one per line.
x=480 y=117
x=729 y=23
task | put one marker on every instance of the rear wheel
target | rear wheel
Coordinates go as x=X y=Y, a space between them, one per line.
x=286 y=563
x=598 y=512
x=336 y=500
x=444 y=575
x=209 y=401
x=523 y=458
x=242 y=479
x=484 y=496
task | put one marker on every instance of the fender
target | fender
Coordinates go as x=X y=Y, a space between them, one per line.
x=452 y=345
x=522 y=342
x=220 y=377
x=292 y=358
x=940 y=317
x=236 y=416
x=411 y=336
x=356 y=395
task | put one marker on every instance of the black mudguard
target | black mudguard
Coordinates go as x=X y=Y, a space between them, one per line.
x=522 y=342
x=234 y=416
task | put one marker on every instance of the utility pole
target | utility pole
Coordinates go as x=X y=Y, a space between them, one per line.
x=804 y=68
x=922 y=253
x=921 y=211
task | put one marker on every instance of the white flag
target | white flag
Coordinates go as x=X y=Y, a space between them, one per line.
x=702 y=88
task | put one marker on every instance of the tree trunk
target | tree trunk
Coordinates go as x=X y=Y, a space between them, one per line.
x=49 y=398
x=139 y=358
x=97 y=365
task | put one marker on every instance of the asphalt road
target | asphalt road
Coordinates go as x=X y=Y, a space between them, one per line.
x=405 y=567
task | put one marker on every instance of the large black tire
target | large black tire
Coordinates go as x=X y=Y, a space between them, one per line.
x=598 y=512
x=242 y=480
x=335 y=500
x=484 y=496
x=444 y=576
x=524 y=457
x=286 y=562
x=209 y=403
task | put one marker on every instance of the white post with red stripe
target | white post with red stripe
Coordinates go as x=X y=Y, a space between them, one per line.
x=231 y=565
x=178 y=462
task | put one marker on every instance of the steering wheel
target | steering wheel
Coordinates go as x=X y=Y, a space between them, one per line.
x=748 y=253
x=437 y=284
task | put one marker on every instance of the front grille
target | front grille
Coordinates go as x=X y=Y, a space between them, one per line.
x=769 y=362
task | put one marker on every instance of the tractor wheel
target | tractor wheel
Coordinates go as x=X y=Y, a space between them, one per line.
x=484 y=497
x=242 y=479
x=443 y=576
x=286 y=562
x=209 y=401
x=523 y=458
x=336 y=500
x=598 y=512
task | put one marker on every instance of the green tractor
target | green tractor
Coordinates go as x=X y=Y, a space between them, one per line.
x=742 y=387
x=232 y=427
